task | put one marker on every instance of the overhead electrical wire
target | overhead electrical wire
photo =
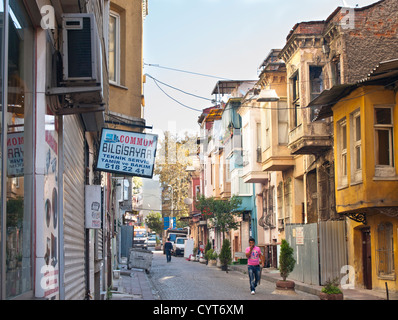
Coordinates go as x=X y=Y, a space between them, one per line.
x=170 y=86
x=175 y=100
x=242 y=106
x=185 y=71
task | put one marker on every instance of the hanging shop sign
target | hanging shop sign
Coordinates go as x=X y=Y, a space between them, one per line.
x=127 y=153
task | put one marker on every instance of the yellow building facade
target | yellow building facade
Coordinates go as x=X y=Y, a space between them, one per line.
x=126 y=97
x=365 y=119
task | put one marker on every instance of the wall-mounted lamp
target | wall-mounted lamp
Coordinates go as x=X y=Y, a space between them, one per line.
x=268 y=95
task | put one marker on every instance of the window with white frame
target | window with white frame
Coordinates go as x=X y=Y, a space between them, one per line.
x=283 y=123
x=356 y=147
x=258 y=139
x=267 y=127
x=342 y=152
x=384 y=153
x=228 y=170
x=295 y=93
x=114 y=47
x=316 y=87
x=238 y=186
x=281 y=215
x=287 y=195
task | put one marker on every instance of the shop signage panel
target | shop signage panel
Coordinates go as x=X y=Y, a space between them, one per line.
x=127 y=153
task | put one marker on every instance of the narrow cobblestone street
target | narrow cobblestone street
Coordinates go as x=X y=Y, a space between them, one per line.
x=186 y=280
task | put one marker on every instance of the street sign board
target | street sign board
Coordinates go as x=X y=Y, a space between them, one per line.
x=127 y=153
x=169 y=223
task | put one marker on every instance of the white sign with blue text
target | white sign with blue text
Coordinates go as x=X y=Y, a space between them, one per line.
x=127 y=153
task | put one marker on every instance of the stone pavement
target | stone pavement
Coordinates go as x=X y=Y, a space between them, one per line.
x=134 y=285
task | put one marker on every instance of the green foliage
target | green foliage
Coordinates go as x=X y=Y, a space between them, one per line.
x=208 y=246
x=173 y=156
x=109 y=293
x=154 y=222
x=211 y=255
x=15 y=210
x=331 y=287
x=286 y=260
x=221 y=213
x=225 y=254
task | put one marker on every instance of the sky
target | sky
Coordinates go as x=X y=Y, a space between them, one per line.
x=222 y=39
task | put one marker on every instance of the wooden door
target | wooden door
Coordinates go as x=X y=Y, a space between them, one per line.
x=366 y=258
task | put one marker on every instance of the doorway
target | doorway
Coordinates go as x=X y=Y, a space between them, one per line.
x=366 y=258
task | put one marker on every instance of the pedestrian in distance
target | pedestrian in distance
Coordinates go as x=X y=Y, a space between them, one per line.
x=168 y=246
x=254 y=256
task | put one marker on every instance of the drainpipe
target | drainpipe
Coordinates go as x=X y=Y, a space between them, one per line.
x=61 y=265
x=254 y=218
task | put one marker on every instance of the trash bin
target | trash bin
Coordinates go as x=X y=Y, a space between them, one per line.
x=140 y=259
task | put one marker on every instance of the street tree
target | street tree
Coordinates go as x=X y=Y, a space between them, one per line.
x=154 y=222
x=173 y=156
x=221 y=213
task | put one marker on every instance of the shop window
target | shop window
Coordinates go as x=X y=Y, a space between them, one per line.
x=19 y=155
x=385 y=251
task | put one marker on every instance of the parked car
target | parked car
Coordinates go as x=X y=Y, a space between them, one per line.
x=152 y=240
x=140 y=238
x=179 y=246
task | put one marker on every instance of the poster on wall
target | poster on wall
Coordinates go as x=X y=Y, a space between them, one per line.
x=15 y=150
x=48 y=248
x=93 y=206
x=127 y=153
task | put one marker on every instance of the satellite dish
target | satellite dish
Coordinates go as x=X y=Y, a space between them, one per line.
x=188 y=201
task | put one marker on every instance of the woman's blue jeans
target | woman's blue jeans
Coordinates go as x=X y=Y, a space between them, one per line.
x=254 y=276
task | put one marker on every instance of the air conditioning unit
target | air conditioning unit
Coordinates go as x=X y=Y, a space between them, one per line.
x=81 y=49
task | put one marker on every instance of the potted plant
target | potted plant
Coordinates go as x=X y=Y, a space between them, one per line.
x=211 y=257
x=286 y=266
x=158 y=244
x=193 y=256
x=331 y=291
x=207 y=248
x=225 y=255
x=202 y=259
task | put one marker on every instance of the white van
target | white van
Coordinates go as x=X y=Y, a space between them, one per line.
x=179 y=246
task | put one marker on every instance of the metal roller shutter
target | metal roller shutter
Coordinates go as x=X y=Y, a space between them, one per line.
x=74 y=231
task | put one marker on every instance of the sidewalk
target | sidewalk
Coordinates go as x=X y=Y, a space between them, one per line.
x=273 y=275
x=132 y=285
